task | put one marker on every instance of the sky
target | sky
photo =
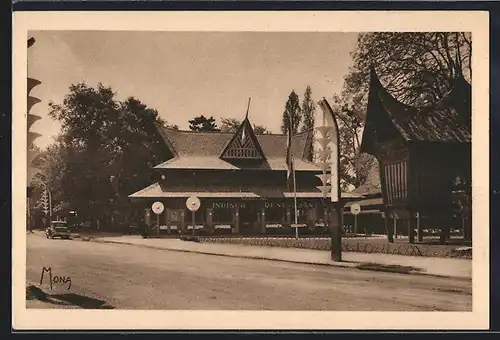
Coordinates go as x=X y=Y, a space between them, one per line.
x=187 y=74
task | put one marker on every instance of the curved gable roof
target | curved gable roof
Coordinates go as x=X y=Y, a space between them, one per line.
x=446 y=121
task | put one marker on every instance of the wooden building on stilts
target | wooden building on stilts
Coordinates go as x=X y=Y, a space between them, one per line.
x=425 y=159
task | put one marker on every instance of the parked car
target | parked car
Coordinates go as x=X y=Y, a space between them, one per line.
x=58 y=229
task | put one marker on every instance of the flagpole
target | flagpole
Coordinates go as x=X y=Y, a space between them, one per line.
x=295 y=200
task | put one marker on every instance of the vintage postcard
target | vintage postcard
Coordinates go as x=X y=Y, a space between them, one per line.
x=250 y=170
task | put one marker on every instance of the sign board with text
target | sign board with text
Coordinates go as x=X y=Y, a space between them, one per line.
x=355 y=209
x=157 y=208
x=193 y=203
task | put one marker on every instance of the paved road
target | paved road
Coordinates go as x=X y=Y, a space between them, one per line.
x=132 y=277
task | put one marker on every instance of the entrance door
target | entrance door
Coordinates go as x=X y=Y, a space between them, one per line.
x=249 y=218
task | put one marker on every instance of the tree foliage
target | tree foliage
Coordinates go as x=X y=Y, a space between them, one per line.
x=229 y=125
x=260 y=129
x=308 y=110
x=232 y=125
x=292 y=113
x=105 y=152
x=354 y=166
x=202 y=123
x=416 y=68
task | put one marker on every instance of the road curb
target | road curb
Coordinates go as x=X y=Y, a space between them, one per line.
x=356 y=265
x=343 y=265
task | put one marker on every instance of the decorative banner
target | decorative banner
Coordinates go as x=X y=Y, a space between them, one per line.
x=324 y=155
x=45 y=202
x=32 y=153
x=324 y=166
x=329 y=152
x=325 y=189
x=325 y=130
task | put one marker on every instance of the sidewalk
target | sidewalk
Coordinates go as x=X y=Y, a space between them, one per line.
x=444 y=267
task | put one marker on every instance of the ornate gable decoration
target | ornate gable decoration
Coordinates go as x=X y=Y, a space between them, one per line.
x=243 y=145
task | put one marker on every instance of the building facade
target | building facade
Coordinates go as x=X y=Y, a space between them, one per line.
x=240 y=179
x=424 y=156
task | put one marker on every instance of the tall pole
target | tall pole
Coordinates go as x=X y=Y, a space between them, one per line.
x=194 y=224
x=248 y=107
x=158 y=225
x=295 y=201
x=29 y=214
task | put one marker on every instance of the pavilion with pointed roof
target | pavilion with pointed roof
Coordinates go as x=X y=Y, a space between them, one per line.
x=240 y=179
x=422 y=153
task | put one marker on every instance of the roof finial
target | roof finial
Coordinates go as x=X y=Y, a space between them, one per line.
x=458 y=65
x=248 y=108
x=373 y=71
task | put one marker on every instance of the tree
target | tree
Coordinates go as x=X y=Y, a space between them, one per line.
x=202 y=123
x=292 y=109
x=260 y=130
x=229 y=125
x=417 y=68
x=52 y=165
x=355 y=167
x=163 y=122
x=232 y=124
x=308 y=110
x=106 y=151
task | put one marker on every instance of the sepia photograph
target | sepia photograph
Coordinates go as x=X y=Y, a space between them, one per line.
x=252 y=170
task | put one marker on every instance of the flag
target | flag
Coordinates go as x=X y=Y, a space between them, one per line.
x=289 y=159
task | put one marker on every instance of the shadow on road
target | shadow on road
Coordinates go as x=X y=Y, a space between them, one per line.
x=84 y=302
x=71 y=299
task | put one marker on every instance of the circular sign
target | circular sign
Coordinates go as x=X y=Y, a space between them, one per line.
x=157 y=208
x=193 y=203
x=355 y=209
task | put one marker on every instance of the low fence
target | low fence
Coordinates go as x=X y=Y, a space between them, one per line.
x=363 y=244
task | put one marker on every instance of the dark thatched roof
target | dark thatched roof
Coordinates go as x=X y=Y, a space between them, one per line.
x=448 y=121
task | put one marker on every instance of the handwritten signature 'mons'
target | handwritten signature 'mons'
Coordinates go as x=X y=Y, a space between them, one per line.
x=55 y=279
